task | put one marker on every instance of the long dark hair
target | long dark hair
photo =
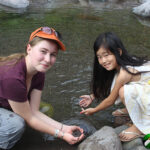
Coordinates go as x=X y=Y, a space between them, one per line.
x=102 y=79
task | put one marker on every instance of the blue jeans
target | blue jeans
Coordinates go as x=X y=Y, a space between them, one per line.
x=11 y=128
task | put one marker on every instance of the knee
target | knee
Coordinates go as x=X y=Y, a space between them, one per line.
x=18 y=125
x=11 y=132
x=121 y=93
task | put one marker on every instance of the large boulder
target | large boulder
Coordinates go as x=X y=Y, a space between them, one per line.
x=15 y=3
x=103 y=139
x=143 y=9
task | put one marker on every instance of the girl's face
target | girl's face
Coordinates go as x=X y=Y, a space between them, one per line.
x=42 y=56
x=107 y=59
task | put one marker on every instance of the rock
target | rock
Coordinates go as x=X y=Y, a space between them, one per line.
x=85 y=125
x=46 y=108
x=140 y=148
x=143 y=9
x=136 y=144
x=15 y=3
x=120 y=128
x=120 y=120
x=144 y=21
x=103 y=139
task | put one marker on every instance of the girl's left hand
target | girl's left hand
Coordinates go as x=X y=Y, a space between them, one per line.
x=88 y=111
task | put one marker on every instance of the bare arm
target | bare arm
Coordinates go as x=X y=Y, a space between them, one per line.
x=123 y=78
x=35 y=103
x=23 y=109
x=39 y=122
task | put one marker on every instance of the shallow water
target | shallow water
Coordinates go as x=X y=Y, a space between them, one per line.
x=70 y=77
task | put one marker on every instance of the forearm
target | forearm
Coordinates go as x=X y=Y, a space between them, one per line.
x=49 y=120
x=23 y=109
x=38 y=124
x=103 y=105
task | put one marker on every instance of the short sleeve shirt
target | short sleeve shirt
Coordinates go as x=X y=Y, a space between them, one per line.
x=13 y=83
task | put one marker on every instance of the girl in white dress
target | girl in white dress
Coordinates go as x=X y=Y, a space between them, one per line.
x=132 y=79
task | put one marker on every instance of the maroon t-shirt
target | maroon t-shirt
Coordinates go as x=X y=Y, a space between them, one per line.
x=13 y=83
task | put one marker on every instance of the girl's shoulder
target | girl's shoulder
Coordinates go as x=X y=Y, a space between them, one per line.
x=124 y=76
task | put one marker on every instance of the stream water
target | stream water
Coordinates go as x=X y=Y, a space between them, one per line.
x=79 y=22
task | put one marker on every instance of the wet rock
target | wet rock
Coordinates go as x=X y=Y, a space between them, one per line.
x=15 y=3
x=120 y=128
x=46 y=108
x=86 y=126
x=76 y=133
x=136 y=144
x=121 y=120
x=103 y=139
x=144 y=21
x=107 y=139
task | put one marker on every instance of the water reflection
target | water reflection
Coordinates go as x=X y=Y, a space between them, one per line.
x=70 y=77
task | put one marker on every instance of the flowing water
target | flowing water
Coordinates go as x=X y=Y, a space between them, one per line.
x=80 y=22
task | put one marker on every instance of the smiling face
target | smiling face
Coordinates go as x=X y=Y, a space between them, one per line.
x=107 y=59
x=42 y=55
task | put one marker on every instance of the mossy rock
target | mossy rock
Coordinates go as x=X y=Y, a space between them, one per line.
x=46 y=108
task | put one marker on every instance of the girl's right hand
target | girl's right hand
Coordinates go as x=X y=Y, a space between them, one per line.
x=86 y=100
x=69 y=138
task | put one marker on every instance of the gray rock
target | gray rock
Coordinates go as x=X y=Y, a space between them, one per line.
x=143 y=9
x=103 y=139
x=144 y=21
x=15 y=3
x=120 y=128
x=85 y=125
x=120 y=120
x=140 y=148
x=133 y=145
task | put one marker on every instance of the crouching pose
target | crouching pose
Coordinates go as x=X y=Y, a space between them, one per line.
x=118 y=74
x=21 y=83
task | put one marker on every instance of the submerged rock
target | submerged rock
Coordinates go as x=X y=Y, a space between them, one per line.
x=46 y=108
x=15 y=3
x=144 y=21
x=86 y=126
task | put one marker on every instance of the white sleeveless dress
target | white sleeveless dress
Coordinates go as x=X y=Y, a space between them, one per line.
x=137 y=99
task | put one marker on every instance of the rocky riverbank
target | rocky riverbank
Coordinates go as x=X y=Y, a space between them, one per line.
x=138 y=7
x=107 y=139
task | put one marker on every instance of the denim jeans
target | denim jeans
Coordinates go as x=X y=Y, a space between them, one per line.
x=11 y=128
